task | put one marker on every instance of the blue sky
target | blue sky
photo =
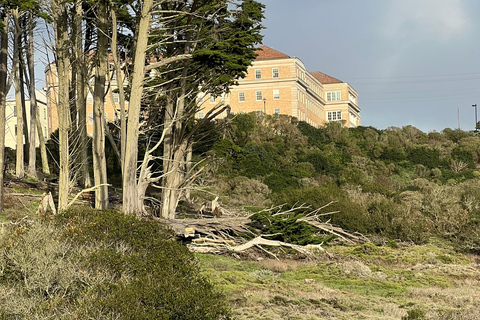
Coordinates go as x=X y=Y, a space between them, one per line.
x=412 y=62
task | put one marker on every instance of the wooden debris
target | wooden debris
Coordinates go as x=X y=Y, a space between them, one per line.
x=45 y=203
x=226 y=234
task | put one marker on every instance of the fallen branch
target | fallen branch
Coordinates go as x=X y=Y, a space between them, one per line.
x=84 y=191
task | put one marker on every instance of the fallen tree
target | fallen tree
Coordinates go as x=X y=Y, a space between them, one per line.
x=271 y=227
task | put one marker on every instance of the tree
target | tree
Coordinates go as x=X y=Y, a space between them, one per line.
x=201 y=46
x=4 y=15
x=62 y=50
x=99 y=160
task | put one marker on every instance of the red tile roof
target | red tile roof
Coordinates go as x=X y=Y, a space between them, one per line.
x=324 y=78
x=267 y=53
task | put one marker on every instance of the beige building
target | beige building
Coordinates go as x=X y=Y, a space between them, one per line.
x=11 y=119
x=279 y=84
x=111 y=107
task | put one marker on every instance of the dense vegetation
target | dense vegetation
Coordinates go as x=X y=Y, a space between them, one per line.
x=101 y=264
x=397 y=183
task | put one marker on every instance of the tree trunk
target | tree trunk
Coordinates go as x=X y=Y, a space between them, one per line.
x=81 y=90
x=3 y=95
x=63 y=106
x=19 y=167
x=131 y=197
x=32 y=169
x=121 y=91
x=43 y=147
x=98 y=144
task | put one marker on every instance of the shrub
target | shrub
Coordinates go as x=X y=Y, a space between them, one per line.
x=106 y=264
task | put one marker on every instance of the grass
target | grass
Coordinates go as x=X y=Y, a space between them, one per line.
x=358 y=282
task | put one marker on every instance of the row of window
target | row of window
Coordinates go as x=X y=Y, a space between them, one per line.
x=259 y=95
x=258 y=74
x=44 y=112
x=334 y=115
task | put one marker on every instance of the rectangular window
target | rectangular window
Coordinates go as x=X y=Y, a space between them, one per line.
x=15 y=130
x=14 y=111
x=90 y=117
x=334 y=95
x=276 y=111
x=44 y=113
x=276 y=94
x=258 y=74
x=275 y=73
x=201 y=115
x=259 y=96
x=116 y=97
x=334 y=115
x=89 y=98
x=241 y=96
x=212 y=98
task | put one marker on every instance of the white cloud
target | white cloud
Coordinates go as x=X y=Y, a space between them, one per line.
x=440 y=20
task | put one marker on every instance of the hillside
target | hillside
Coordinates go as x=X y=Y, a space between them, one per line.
x=413 y=195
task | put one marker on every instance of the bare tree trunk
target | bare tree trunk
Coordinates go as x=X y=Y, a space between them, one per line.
x=188 y=168
x=43 y=147
x=81 y=96
x=132 y=201
x=32 y=169
x=3 y=95
x=19 y=167
x=121 y=91
x=63 y=106
x=99 y=161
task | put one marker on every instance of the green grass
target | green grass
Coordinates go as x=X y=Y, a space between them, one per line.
x=360 y=282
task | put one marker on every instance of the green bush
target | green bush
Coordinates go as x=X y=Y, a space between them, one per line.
x=106 y=264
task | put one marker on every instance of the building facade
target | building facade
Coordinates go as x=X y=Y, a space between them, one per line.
x=111 y=100
x=279 y=84
x=11 y=119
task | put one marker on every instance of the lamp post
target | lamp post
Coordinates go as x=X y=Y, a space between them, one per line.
x=265 y=105
x=475 y=106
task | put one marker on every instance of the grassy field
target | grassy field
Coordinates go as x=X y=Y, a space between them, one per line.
x=395 y=281
x=352 y=282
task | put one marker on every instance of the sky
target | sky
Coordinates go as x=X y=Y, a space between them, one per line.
x=412 y=62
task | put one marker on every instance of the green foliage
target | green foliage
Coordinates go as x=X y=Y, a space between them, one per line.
x=425 y=156
x=106 y=264
x=287 y=228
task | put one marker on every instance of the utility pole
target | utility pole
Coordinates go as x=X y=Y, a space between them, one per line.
x=458 y=117
x=475 y=106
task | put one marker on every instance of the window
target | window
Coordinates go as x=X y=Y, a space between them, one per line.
x=241 y=96
x=15 y=130
x=275 y=73
x=201 y=115
x=334 y=115
x=334 y=95
x=351 y=97
x=276 y=94
x=44 y=113
x=116 y=97
x=89 y=98
x=212 y=98
x=258 y=74
x=276 y=111
x=259 y=96
x=14 y=111
x=90 y=117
